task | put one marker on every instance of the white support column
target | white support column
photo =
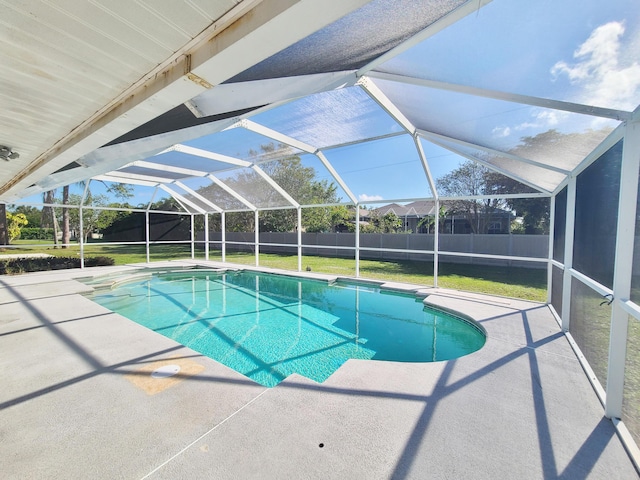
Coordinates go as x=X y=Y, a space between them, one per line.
x=434 y=192
x=299 y=209
x=80 y=215
x=80 y=212
x=625 y=239
x=146 y=231
x=552 y=221
x=436 y=245
x=223 y=238
x=357 y=240
x=257 y=236
x=193 y=238
x=568 y=253
x=206 y=236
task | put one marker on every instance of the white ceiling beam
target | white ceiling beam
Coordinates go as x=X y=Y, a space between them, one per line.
x=490 y=166
x=275 y=186
x=114 y=156
x=61 y=179
x=613 y=138
x=130 y=181
x=198 y=152
x=370 y=139
x=198 y=196
x=387 y=105
x=432 y=137
x=136 y=176
x=620 y=115
x=277 y=136
x=327 y=164
x=271 y=91
x=285 y=139
x=496 y=197
x=182 y=199
x=167 y=168
x=425 y=166
x=232 y=192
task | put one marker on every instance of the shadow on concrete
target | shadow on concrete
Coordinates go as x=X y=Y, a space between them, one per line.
x=579 y=467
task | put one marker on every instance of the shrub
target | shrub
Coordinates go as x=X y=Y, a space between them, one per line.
x=23 y=265
x=29 y=233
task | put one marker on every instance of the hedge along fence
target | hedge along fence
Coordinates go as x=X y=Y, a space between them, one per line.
x=12 y=266
x=534 y=246
x=31 y=233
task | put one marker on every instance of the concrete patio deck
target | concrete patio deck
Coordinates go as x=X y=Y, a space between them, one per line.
x=77 y=401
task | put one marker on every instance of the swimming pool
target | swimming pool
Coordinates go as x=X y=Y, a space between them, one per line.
x=269 y=326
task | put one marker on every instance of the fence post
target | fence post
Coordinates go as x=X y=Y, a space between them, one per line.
x=436 y=244
x=299 y=240
x=206 y=236
x=146 y=230
x=357 y=240
x=223 y=236
x=193 y=237
x=257 y=236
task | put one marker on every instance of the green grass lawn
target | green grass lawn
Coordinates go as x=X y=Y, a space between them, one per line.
x=526 y=283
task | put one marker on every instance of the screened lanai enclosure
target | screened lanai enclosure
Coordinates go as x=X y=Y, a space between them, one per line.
x=510 y=132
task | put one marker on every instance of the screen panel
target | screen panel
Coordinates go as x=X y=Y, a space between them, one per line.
x=597 y=195
x=590 y=325
x=560 y=225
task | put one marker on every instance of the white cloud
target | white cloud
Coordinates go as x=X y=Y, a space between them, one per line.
x=600 y=70
x=548 y=117
x=542 y=120
x=500 y=132
x=369 y=198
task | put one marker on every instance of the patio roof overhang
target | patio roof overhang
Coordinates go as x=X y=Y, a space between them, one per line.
x=308 y=80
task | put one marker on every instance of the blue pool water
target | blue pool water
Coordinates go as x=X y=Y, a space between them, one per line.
x=270 y=326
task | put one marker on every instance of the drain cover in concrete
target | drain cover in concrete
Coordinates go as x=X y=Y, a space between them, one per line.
x=158 y=376
x=165 y=371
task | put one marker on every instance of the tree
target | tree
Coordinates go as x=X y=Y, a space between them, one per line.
x=471 y=179
x=429 y=222
x=4 y=231
x=534 y=212
x=119 y=190
x=15 y=222
x=49 y=219
x=290 y=174
x=33 y=214
x=387 y=223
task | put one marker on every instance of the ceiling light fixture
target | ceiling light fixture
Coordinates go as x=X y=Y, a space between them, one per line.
x=6 y=153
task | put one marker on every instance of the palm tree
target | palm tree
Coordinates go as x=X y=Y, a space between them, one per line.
x=49 y=214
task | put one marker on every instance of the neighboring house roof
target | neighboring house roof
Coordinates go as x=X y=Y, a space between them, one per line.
x=421 y=208
x=416 y=209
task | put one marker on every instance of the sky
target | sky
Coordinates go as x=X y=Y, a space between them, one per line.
x=582 y=51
